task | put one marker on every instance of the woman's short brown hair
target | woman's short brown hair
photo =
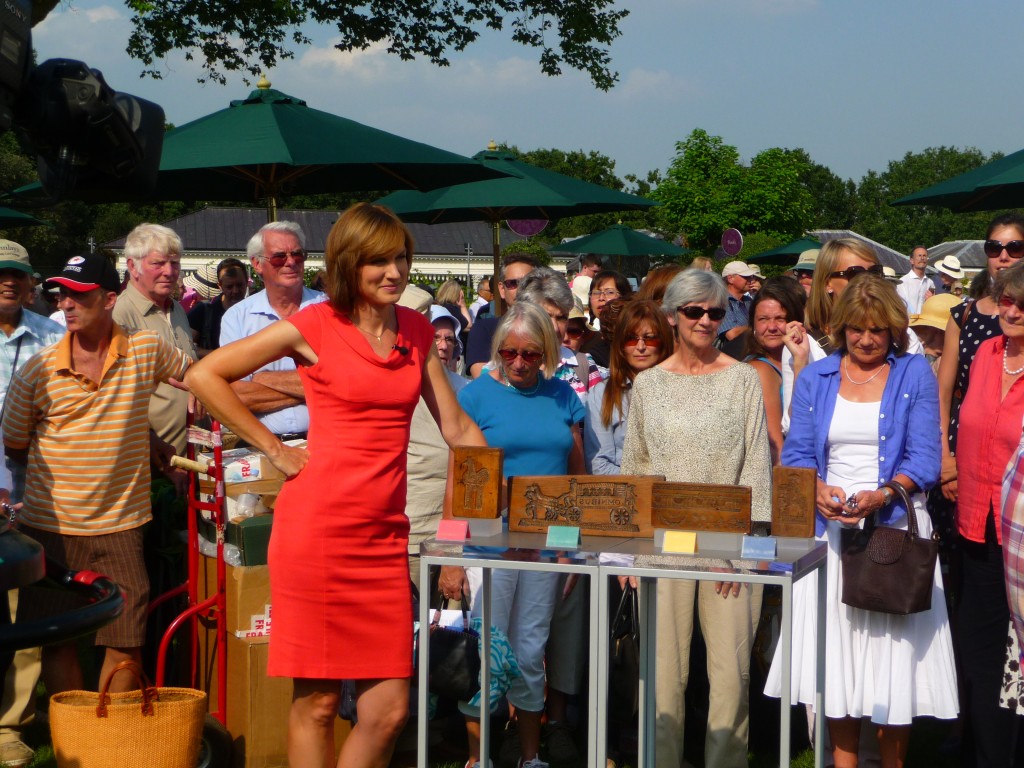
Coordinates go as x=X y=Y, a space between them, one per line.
x=363 y=232
x=870 y=301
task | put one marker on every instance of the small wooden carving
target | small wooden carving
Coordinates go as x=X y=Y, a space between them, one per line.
x=701 y=507
x=794 y=490
x=477 y=482
x=600 y=505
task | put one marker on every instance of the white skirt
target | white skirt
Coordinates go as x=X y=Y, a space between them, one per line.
x=878 y=665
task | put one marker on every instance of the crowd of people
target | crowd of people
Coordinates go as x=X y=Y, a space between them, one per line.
x=695 y=375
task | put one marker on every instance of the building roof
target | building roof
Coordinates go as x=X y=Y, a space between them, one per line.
x=214 y=230
x=971 y=253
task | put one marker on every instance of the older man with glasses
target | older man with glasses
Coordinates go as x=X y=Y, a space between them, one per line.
x=514 y=268
x=274 y=393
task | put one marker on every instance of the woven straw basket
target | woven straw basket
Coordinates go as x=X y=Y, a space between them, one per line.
x=148 y=728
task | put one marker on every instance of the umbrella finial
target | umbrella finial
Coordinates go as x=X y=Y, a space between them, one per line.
x=491 y=145
x=263 y=84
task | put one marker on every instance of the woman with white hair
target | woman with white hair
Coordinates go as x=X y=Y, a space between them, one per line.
x=698 y=417
x=536 y=418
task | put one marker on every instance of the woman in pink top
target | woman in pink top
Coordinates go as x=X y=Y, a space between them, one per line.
x=989 y=432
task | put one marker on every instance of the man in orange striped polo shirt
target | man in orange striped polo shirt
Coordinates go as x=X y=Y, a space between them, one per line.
x=77 y=416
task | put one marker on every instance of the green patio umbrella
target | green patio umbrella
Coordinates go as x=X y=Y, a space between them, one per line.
x=990 y=187
x=525 y=192
x=620 y=240
x=271 y=144
x=785 y=254
x=12 y=218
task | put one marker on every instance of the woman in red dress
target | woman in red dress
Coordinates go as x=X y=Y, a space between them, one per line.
x=339 y=577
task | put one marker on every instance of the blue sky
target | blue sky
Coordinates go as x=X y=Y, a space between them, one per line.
x=857 y=83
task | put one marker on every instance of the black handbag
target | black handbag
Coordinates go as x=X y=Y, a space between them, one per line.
x=454 y=658
x=624 y=672
x=888 y=569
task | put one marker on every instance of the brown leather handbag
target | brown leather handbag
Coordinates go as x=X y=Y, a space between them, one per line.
x=888 y=569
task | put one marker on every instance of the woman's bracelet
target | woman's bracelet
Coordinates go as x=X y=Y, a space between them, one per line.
x=888 y=494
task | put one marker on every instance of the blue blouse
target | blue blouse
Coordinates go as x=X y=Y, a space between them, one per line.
x=603 y=445
x=908 y=424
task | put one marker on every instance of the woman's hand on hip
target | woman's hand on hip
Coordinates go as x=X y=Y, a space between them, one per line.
x=290 y=460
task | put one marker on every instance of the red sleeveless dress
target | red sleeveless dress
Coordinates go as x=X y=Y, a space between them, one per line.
x=339 y=575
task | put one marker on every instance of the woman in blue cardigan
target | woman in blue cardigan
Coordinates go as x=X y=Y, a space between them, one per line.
x=864 y=416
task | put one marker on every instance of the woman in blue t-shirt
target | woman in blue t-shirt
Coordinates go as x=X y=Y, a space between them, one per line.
x=536 y=420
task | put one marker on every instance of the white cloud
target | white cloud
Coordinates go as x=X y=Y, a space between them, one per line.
x=640 y=85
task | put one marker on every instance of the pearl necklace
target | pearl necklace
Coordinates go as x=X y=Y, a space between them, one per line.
x=1006 y=370
x=868 y=379
x=524 y=392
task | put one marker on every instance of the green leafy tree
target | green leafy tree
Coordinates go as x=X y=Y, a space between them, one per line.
x=903 y=227
x=530 y=247
x=707 y=190
x=255 y=35
x=833 y=200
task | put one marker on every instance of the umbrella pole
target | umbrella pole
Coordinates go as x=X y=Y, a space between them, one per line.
x=271 y=208
x=499 y=303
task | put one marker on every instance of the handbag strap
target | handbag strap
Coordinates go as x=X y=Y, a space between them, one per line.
x=435 y=619
x=149 y=693
x=625 y=621
x=902 y=495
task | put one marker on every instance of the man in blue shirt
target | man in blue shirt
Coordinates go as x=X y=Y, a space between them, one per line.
x=274 y=393
x=731 y=332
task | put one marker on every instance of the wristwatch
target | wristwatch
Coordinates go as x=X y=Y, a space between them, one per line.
x=888 y=494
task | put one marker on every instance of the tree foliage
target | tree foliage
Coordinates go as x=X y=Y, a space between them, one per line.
x=253 y=36
x=707 y=190
x=903 y=227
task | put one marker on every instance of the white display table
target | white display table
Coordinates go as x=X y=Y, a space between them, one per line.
x=718 y=559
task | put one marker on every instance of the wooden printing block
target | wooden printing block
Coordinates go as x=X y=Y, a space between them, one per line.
x=599 y=505
x=701 y=507
x=794 y=491
x=477 y=482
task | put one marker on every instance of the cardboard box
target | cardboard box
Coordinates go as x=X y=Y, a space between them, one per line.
x=257 y=705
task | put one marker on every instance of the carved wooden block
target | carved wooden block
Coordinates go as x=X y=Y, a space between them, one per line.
x=794 y=491
x=701 y=507
x=600 y=505
x=478 y=480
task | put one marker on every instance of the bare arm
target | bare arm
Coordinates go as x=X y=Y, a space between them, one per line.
x=732 y=333
x=947 y=381
x=577 y=462
x=770 y=382
x=210 y=379
x=455 y=425
x=286 y=382
x=260 y=398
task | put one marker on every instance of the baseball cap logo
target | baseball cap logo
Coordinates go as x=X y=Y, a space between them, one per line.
x=75 y=260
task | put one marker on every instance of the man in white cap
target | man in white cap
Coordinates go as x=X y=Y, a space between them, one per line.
x=916 y=286
x=25 y=334
x=737 y=277
x=949 y=272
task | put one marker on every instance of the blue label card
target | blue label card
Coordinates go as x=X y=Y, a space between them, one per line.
x=563 y=537
x=452 y=530
x=758 y=548
x=679 y=542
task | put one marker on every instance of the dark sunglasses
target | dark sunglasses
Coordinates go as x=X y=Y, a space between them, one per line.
x=528 y=355
x=802 y=273
x=574 y=331
x=1015 y=248
x=696 y=313
x=280 y=258
x=649 y=339
x=511 y=285
x=850 y=272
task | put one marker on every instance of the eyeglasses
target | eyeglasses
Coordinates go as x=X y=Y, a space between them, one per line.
x=439 y=337
x=850 y=272
x=649 y=339
x=1006 y=301
x=994 y=248
x=609 y=293
x=802 y=273
x=574 y=331
x=529 y=356
x=694 y=312
x=280 y=258
x=512 y=284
